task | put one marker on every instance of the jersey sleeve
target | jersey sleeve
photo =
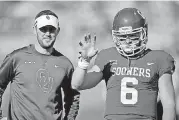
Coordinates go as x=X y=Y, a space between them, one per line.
x=167 y=64
x=6 y=71
x=70 y=71
x=6 y=75
x=71 y=96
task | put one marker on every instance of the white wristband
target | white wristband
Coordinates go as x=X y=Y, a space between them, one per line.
x=83 y=64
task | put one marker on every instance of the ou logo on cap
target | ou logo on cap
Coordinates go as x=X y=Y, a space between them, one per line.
x=48 y=17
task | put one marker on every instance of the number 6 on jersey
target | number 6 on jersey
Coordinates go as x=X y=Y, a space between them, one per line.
x=125 y=90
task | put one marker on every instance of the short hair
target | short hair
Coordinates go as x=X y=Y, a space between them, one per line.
x=46 y=12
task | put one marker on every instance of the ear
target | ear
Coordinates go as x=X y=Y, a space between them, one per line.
x=34 y=30
x=58 y=30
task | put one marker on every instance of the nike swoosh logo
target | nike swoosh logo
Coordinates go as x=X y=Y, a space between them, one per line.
x=150 y=63
x=113 y=61
x=56 y=66
x=30 y=62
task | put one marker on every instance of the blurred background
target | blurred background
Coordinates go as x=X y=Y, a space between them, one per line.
x=80 y=17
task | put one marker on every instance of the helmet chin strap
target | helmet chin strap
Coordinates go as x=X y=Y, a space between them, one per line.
x=129 y=64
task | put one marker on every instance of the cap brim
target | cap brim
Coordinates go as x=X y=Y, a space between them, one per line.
x=45 y=20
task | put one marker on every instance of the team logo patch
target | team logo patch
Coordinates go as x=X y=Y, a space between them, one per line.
x=44 y=80
x=48 y=17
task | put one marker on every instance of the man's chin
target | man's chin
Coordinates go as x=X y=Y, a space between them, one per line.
x=47 y=46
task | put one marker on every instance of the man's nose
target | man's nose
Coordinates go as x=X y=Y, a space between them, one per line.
x=128 y=40
x=47 y=32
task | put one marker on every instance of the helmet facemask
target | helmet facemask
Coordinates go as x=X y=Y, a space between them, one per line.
x=130 y=42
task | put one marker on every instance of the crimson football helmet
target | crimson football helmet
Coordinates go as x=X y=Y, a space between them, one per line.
x=129 y=32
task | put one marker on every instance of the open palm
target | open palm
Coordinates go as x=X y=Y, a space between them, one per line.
x=87 y=46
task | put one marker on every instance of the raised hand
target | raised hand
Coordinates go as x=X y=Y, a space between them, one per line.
x=87 y=47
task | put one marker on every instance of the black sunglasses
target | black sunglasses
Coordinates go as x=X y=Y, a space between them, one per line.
x=47 y=28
